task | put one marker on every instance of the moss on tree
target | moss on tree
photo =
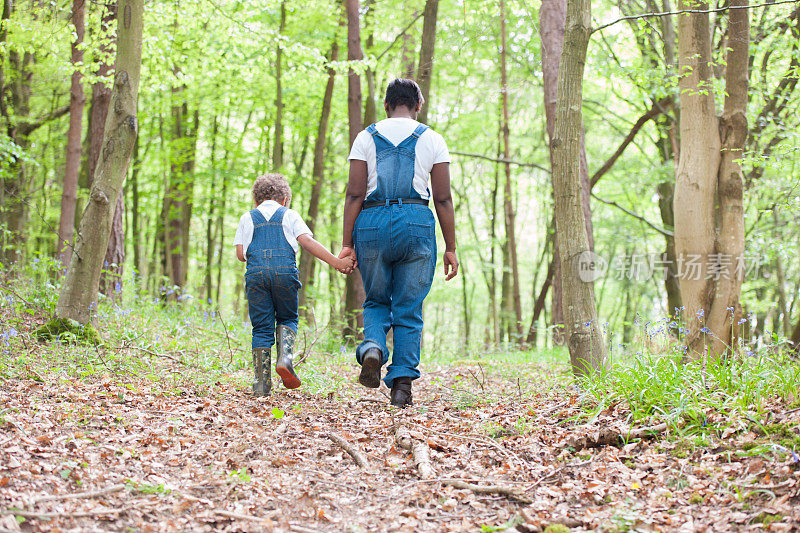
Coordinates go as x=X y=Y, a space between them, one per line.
x=68 y=330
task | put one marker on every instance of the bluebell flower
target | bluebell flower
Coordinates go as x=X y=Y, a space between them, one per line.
x=700 y=313
x=742 y=321
x=705 y=330
x=118 y=287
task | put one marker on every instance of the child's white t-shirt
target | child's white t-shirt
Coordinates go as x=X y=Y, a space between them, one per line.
x=431 y=149
x=293 y=225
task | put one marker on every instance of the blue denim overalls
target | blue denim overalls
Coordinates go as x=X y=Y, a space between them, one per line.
x=271 y=280
x=396 y=251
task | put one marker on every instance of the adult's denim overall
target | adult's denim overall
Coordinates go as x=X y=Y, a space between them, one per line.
x=396 y=251
x=271 y=279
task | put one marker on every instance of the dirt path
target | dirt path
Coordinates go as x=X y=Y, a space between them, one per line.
x=100 y=455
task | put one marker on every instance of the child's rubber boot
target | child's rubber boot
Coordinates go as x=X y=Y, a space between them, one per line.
x=285 y=363
x=371 y=364
x=262 y=385
x=401 y=393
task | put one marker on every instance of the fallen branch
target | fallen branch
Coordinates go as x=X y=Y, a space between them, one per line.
x=237 y=516
x=61 y=514
x=419 y=452
x=357 y=456
x=488 y=489
x=91 y=494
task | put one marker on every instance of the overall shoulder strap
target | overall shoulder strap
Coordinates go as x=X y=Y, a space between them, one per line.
x=258 y=217
x=277 y=216
x=419 y=131
x=380 y=141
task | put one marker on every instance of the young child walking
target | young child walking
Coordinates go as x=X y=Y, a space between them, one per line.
x=267 y=240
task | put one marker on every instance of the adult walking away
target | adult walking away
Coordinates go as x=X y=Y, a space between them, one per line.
x=390 y=229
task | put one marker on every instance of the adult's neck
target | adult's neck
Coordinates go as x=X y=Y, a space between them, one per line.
x=401 y=112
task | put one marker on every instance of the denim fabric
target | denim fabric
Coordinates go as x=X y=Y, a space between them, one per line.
x=395 y=166
x=396 y=251
x=271 y=279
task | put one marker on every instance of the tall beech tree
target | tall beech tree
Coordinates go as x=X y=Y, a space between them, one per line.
x=78 y=297
x=427 y=45
x=354 y=288
x=307 y=262
x=552 y=19
x=582 y=333
x=510 y=245
x=69 y=194
x=709 y=219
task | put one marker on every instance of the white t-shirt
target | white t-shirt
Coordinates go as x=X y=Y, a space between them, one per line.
x=293 y=225
x=430 y=149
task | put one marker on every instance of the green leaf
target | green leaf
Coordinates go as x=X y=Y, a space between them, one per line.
x=277 y=413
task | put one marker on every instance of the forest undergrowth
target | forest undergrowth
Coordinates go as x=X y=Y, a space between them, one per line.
x=155 y=429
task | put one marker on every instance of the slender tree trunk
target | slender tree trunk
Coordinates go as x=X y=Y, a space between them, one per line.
x=583 y=335
x=79 y=290
x=370 y=110
x=277 y=146
x=354 y=291
x=306 y=260
x=212 y=192
x=666 y=192
x=709 y=222
x=425 y=67
x=69 y=196
x=407 y=67
x=552 y=20
x=139 y=238
x=508 y=194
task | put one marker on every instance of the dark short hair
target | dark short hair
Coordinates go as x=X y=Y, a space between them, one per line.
x=405 y=92
x=271 y=187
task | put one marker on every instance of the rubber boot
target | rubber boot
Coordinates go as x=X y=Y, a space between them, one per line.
x=371 y=364
x=262 y=385
x=284 y=365
x=401 y=393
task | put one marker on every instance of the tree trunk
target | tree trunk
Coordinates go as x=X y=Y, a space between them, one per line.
x=425 y=67
x=179 y=196
x=277 y=146
x=370 y=110
x=306 y=260
x=508 y=194
x=552 y=19
x=582 y=333
x=212 y=192
x=138 y=237
x=725 y=312
x=66 y=226
x=354 y=291
x=666 y=191
x=407 y=51
x=78 y=297
x=709 y=183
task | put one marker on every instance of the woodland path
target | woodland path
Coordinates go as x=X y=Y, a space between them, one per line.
x=99 y=455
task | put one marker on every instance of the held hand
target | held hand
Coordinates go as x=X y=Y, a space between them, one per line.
x=450 y=265
x=349 y=254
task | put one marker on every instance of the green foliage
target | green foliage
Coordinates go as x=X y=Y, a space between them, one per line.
x=68 y=331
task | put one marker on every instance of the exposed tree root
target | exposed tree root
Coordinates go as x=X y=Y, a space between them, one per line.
x=488 y=489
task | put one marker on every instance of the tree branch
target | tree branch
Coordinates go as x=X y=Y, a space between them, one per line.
x=26 y=128
x=391 y=45
x=681 y=11
x=658 y=108
x=499 y=160
x=662 y=231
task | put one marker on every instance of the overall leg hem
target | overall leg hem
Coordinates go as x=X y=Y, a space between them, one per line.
x=366 y=345
x=395 y=373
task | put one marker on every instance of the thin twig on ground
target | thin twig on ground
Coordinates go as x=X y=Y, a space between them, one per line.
x=357 y=456
x=75 y=495
x=488 y=489
x=237 y=516
x=227 y=336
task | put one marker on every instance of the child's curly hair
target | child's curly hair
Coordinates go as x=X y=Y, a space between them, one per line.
x=272 y=187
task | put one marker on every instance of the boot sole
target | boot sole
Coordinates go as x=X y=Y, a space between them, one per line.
x=290 y=381
x=370 y=373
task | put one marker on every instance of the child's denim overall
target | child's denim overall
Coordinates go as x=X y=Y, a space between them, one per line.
x=396 y=250
x=271 y=280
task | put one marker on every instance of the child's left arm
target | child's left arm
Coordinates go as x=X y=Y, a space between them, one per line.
x=319 y=251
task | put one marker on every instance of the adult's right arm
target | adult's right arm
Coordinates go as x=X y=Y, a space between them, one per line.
x=443 y=203
x=353 y=200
